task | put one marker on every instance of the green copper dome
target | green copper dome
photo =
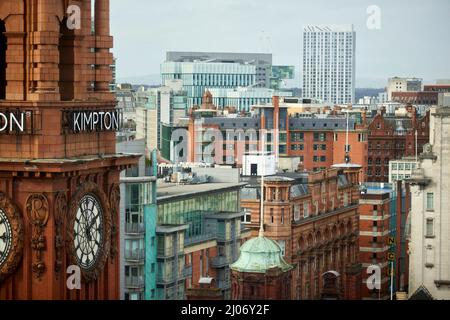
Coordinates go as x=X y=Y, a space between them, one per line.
x=260 y=254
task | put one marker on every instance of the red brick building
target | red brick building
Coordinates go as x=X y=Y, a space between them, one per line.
x=315 y=219
x=59 y=171
x=318 y=141
x=374 y=233
x=392 y=138
x=416 y=97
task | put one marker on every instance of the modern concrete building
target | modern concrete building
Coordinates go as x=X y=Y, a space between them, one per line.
x=126 y=101
x=329 y=63
x=398 y=84
x=430 y=216
x=157 y=113
x=402 y=169
x=255 y=163
x=198 y=231
x=137 y=225
x=262 y=61
x=202 y=70
x=244 y=98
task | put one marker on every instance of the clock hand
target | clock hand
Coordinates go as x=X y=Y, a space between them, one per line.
x=4 y=237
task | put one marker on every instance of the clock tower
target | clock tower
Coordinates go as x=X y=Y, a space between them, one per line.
x=59 y=170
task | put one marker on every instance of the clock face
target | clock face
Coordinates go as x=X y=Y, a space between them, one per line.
x=88 y=232
x=5 y=237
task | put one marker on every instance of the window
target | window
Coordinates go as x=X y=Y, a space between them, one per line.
x=430 y=201
x=282 y=215
x=296 y=212
x=305 y=210
x=316 y=136
x=271 y=215
x=247 y=218
x=323 y=137
x=430 y=228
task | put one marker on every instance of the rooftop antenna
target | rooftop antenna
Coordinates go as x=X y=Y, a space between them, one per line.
x=263 y=169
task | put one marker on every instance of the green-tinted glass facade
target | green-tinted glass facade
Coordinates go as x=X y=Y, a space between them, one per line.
x=173 y=212
x=198 y=76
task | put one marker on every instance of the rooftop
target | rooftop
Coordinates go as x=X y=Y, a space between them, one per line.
x=168 y=191
x=259 y=255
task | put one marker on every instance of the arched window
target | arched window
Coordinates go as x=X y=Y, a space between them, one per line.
x=3 y=47
x=66 y=62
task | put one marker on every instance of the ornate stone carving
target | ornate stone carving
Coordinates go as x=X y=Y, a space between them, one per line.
x=114 y=202
x=60 y=214
x=37 y=210
x=15 y=254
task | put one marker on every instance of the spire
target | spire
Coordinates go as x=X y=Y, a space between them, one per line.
x=263 y=171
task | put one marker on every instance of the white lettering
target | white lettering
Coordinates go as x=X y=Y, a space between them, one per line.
x=11 y=122
x=5 y=121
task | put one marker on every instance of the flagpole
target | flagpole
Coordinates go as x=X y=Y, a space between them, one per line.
x=392 y=280
x=263 y=169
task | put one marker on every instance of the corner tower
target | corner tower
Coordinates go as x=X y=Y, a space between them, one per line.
x=59 y=170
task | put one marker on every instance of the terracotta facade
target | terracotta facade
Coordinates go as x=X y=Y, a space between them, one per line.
x=319 y=230
x=48 y=70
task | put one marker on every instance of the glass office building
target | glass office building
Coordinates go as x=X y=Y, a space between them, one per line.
x=199 y=76
x=244 y=98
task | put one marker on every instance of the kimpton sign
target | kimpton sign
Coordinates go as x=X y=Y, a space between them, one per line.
x=78 y=121
x=16 y=121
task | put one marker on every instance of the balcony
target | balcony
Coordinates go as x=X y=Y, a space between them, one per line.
x=165 y=279
x=168 y=252
x=134 y=228
x=134 y=282
x=189 y=241
x=220 y=261
x=137 y=255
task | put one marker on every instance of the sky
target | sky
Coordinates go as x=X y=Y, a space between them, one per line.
x=412 y=38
